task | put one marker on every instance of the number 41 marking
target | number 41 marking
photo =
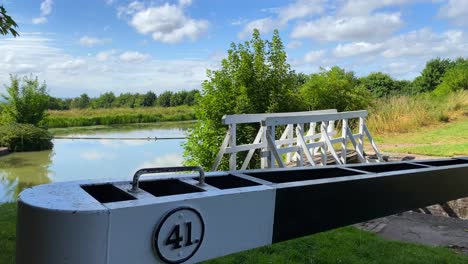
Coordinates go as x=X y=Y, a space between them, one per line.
x=175 y=239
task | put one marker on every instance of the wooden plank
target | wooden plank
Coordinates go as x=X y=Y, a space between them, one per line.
x=312 y=118
x=374 y=146
x=252 y=151
x=256 y=118
x=330 y=147
x=353 y=141
x=273 y=150
x=221 y=152
x=232 y=143
x=344 y=143
x=305 y=149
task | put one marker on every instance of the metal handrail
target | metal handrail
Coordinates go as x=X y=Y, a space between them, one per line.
x=138 y=173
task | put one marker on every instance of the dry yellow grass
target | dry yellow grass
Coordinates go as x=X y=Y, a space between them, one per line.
x=404 y=113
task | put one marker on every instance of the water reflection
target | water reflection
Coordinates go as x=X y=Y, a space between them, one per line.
x=22 y=170
x=91 y=159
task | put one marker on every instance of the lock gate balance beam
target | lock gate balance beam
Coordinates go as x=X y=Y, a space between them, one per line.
x=188 y=218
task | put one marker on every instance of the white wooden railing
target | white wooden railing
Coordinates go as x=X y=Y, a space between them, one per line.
x=294 y=141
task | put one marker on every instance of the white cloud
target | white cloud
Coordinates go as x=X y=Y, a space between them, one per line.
x=165 y=23
x=185 y=2
x=364 y=7
x=69 y=75
x=284 y=14
x=72 y=64
x=313 y=56
x=264 y=25
x=456 y=10
x=105 y=55
x=300 y=9
x=294 y=44
x=426 y=43
x=357 y=48
x=39 y=20
x=359 y=28
x=92 y=41
x=46 y=9
x=133 y=56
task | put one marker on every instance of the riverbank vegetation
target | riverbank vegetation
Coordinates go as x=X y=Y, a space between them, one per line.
x=111 y=116
x=22 y=114
x=124 y=100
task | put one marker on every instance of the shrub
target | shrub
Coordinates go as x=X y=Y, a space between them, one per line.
x=26 y=101
x=24 y=137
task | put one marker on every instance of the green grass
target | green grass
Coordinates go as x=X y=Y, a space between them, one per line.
x=448 y=139
x=344 y=245
x=112 y=116
x=7 y=233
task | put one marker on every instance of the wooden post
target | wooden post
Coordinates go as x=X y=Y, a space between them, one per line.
x=232 y=143
x=344 y=143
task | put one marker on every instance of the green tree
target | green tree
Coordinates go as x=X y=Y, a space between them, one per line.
x=105 y=100
x=335 y=89
x=164 y=99
x=380 y=84
x=81 y=102
x=254 y=78
x=456 y=78
x=431 y=76
x=26 y=101
x=149 y=99
x=7 y=24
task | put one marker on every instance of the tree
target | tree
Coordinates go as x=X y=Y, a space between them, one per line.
x=81 y=102
x=380 y=84
x=26 y=101
x=431 y=76
x=335 y=89
x=7 y=24
x=105 y=100
x=454 y=79
x=149 y=99
x=254 y=78
x=164 y=99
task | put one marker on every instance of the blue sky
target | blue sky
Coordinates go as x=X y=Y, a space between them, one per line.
x=120 y=46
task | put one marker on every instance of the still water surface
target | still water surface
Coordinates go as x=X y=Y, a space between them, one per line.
x=92 y=159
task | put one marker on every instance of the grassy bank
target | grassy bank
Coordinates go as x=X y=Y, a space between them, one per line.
x=345 y=245
x=409 y=113
x=443 y=139
x=111 y=116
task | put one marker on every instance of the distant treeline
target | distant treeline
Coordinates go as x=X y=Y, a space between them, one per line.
x=124 y=100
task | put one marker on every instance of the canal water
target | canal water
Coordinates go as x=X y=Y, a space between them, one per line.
x=92 y=159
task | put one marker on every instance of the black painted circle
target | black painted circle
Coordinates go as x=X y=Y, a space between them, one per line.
x=158 y=229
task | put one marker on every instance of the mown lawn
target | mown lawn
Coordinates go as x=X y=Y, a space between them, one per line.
x=344 y=245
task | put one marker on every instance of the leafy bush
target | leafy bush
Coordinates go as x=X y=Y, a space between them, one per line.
x=24 y=137
x=26 y=101
x=454 y=79
x=334 y=89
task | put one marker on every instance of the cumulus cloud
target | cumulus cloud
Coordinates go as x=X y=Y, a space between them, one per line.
x=69 y=75
x=455 y=10
x=364 y=7
x=264 y=25
x=358 y=28
x=46 y=9
x=313 y=56
x=169 y=160
x=357 y=48
x=294 y=44
x=133 y=56
x=284 y=14
x=88 y=41
x=105 y=55
x=167 y=23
